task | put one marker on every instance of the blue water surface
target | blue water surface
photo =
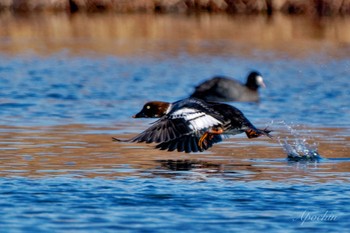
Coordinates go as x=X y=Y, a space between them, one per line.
x=106 y=90
x=103 y=90
x=64 y=204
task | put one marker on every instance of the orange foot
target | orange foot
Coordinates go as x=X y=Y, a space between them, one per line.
x=209 y=135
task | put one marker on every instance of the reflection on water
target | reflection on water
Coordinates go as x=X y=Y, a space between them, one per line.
x=149 y=34
x=85 y=151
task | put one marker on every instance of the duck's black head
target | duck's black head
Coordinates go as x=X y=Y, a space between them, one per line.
x=153 y=109
x=255 y=80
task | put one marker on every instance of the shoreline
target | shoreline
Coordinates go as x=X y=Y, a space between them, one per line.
x=145 y=34
x=252 y=7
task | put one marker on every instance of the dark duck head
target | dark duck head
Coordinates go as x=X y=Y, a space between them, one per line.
x=153 y=109
x=255 y=80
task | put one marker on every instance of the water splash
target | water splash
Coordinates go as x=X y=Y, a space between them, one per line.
x=299 y=147
x=300 y=150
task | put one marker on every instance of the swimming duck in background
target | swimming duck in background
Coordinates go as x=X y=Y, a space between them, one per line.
x=192 y=125
x=225 y=89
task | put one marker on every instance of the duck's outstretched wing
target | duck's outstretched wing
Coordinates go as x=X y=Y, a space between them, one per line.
x=162 y=130
x=183 y=122
x=189 y=143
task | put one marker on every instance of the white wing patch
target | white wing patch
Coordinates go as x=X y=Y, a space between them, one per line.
x=197 y=120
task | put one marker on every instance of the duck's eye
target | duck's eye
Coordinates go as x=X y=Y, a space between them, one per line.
x=148 y=107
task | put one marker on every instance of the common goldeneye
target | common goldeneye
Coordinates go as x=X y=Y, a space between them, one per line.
x=192 y=125
x=225 y=89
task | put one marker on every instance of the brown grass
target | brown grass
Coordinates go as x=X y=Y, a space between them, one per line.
x=148 y=33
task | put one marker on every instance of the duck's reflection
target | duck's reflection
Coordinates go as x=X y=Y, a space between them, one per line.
x=188 y=165
x=199 y=169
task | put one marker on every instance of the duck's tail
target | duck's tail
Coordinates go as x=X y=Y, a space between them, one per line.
x=254 y=133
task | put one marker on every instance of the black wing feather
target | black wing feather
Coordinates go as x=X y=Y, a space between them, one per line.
x=189 y=143
x=163 y=130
